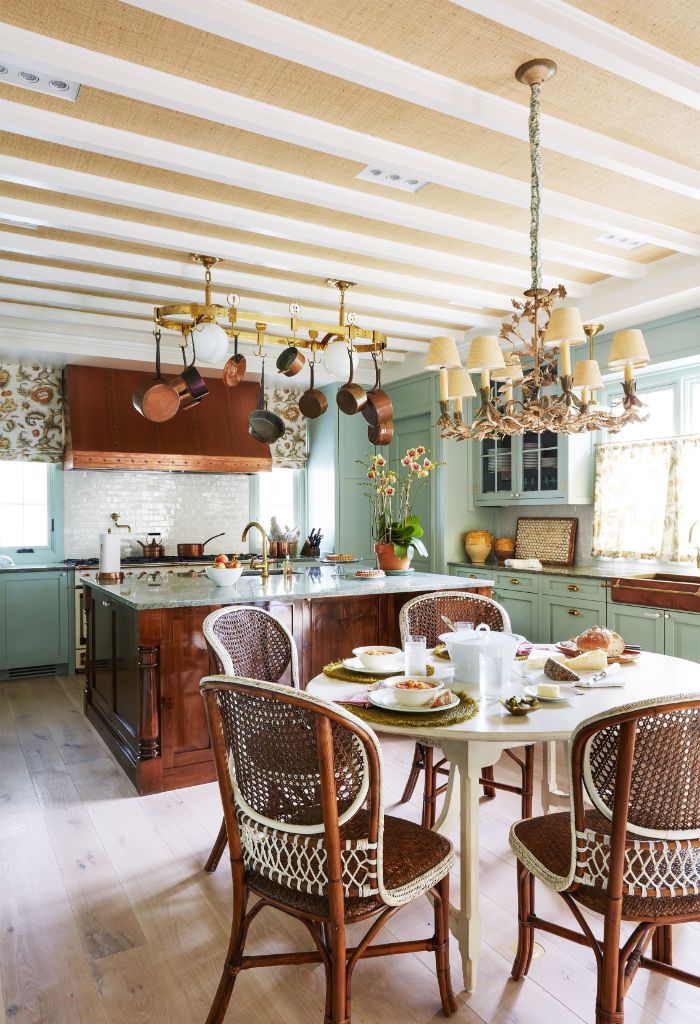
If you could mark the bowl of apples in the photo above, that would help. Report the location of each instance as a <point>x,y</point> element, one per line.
<point>225,572</point>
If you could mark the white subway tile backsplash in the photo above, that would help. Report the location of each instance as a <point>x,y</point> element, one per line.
<point>182,507</point>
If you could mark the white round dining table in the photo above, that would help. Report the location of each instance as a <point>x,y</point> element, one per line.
<point>473,745</point>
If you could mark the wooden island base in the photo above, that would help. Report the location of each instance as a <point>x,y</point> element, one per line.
<point>144,668</point>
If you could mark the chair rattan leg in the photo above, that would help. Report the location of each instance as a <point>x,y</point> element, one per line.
<point>442,947</point>
<point>487,773</point>
<point>429,798</point>
<point>609,1008</point>
<point>528,774</point>
<point>662,944</point>
<point>338,1002</point>
<point>217,849</point>
<point>232,966</point>
<point>413,776</point>
<point>526,932</point>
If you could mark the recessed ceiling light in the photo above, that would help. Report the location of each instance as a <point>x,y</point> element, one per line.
<point>628,242</point>
<point>392,179</point>
<point>38,80</point>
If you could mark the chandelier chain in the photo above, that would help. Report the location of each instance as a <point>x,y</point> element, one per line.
<point>535,183</point>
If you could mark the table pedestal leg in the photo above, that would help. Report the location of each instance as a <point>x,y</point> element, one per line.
<point>462,804</point>
<point>551,794</point>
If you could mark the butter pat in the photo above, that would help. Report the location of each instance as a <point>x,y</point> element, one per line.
<point>548,690</point>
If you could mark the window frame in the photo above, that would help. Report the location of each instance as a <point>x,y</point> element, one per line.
<point>658,380</point>
<point>53,551</point>
<point>300,506</point>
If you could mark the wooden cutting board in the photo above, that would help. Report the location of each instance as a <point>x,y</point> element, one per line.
<point>550,540</point>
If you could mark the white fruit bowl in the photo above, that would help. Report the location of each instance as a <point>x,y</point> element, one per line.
<point>224,577</point>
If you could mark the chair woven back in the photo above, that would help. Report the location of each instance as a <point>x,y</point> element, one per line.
<point>640,767</point>
<point>294,770</point>
<point>247,641</point>
<point>422,615</point>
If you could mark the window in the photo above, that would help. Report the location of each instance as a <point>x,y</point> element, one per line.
<point>280,493</point>
<point>663,406</point>
<point>29,494</point>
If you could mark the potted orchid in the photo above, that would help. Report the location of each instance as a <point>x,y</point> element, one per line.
<point>397,485</point>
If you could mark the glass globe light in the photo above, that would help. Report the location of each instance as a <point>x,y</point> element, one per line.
<point>210,342</point>
<point>336,360</point>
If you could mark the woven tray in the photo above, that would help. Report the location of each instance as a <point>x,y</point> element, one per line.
<point>550,540</point>
<point>336,670</point>
<point>463,711</point>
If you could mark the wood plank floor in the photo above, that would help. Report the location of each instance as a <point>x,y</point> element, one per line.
<point>106,916</point>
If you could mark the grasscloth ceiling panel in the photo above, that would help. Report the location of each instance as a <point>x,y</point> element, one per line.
<point>670,26</point>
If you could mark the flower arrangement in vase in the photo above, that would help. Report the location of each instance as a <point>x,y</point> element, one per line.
<point>396,538</point>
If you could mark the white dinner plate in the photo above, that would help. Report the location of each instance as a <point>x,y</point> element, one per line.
<point>394,667</point>
<point>382,698</point>
<point>531,691</point>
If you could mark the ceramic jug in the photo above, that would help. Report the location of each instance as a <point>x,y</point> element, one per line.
<point>477,544</point>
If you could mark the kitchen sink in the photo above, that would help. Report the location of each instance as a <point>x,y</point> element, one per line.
<point>658,590</point>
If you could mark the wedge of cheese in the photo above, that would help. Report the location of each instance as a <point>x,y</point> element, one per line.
<point>537,663</point>
<point>590,661</point>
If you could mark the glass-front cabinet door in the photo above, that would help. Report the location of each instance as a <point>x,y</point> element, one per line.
<point>496,468</point>
<point>540,463</point>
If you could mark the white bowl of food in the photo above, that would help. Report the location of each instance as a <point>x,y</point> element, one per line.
<point>223,575</point>
<point>413,691</point>
<point>377,657</point>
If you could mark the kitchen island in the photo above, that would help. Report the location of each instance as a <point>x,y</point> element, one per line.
<point>146,653</point>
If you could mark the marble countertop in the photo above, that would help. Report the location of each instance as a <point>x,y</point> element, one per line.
<point>598,570</point>
<point>178,592</point>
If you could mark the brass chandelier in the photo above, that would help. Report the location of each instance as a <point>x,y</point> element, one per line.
<point>533,350</point>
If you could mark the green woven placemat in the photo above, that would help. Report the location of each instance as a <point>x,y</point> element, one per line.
<point>337,670</point>
<point>462,712</point>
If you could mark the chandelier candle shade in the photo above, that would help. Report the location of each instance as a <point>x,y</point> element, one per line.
<point>443,356</point>
<point>459,387</point>
<point>534,348</point>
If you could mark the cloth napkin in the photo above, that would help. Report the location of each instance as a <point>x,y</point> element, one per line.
<point>523,563</point>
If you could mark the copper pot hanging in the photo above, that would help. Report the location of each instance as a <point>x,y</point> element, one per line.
<point>351,398</point>
<point>234,367</point>
<point>378,408</point>
<point>189,384</point>
<point>156,398</point>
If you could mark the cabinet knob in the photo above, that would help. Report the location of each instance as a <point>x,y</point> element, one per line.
<point>666,615</point>
<point>573,586</point>
<point>652,615</point>
<point>574,611</point>
<point>517,495</point>
<point>106,604</point>
<point>515,582</point>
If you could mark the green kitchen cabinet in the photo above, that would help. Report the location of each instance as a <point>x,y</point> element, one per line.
<point>523,611</point>
<point>472,573</point>
<point>534,469</point>
<point>643,626</point>
<point>35,623</point>
<point>682,634</point>
<point>562,618</point>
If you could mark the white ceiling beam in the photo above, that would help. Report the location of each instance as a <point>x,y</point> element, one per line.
<point>45,287</point>
<point>148,85</point>
<point>671,287</point>
<point>128,231</point>
<point>597,42</point>
<point>297,41</point>
<point>140,149</point>
<point>175,204</point>
<point>225,280</point>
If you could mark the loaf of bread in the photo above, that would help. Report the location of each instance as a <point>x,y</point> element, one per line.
<point>600,638</point>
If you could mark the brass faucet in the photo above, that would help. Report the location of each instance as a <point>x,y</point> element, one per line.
<point>264,574</point>
<point>697,546</point>
<point>117,524</point>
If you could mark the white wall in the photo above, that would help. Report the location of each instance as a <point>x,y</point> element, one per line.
<point>183,507</point>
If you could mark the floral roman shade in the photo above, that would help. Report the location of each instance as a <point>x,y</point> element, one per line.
<point>31,413</point>
<point>647,496</point>
<point>290,452</point>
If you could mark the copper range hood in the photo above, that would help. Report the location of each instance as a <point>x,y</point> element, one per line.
<point>104,431</point>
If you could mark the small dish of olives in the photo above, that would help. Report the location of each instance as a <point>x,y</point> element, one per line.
<point>520,705</point>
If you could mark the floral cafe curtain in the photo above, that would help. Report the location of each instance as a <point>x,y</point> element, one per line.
<point>290,452</point>
<point>31,413</point>
<point>647,496</point>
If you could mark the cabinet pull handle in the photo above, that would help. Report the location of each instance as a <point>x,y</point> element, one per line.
<point>106,604</point>
<point>652,615</point>
<point>573,586</point>
<point>574,611</point>
<point>473,576</point>
<point>515,582</point>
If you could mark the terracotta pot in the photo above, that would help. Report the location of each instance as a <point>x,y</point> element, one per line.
<point>477,544</point>
<point>504,548</point>
<point>387,559</point>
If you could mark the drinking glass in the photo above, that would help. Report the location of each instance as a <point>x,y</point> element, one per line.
<point>464,627</point>
<point>415,656</point>
<point>494,669</point>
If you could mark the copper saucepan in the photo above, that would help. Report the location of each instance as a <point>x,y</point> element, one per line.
<point>378,408</point>
<point>381,434</point>
<point>313,403</point>
<point>234,368</point>
<point>350,398</point>
<point>194,550</point>
<point>189,384</point>
<point>156,398</point>
<point>290,361</point>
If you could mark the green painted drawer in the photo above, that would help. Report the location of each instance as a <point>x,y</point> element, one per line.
<point>573,587</point>
<point>524,581</point>
<point>473,574</point>
<point>564,617</point>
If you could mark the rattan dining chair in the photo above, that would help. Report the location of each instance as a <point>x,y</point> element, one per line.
<point>247,641</point>
<point>423,616</point>
<point>301,786</point>
<point>633,856</point>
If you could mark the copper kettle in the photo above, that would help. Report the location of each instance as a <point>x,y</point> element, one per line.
<point>153,548</point>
